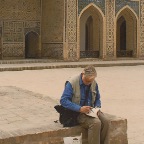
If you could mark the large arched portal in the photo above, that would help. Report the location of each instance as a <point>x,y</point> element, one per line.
<point>91,33</point>
<point>126,41</point>
<point>31,45</point>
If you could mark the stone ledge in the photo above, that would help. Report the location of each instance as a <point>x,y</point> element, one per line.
<point>117,134</point>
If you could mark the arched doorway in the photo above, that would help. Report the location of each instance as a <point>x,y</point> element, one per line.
<point>91,33</point>
<point>126,41</point>
<point>31,45</point>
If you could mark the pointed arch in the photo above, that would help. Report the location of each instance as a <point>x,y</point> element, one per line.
<point>126,32</point>
<point>31,45</point>
<point>91,35</point>
<point>130,11</point>
<point>91,5</point>
<point>31,31</point>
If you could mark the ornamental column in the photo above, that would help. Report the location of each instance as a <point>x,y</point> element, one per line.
<point>141,49</point>
<point>70,36</point>
<point>110,51</point>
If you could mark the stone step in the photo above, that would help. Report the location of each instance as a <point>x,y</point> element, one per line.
<point>24,61</point>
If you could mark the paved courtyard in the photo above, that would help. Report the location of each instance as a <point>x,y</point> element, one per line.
<point>24,112</point>
<point>121,89</point>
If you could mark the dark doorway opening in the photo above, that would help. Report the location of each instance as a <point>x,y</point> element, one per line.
<point>89,34</point>
<point>123,36</point>
<point>31,45</point>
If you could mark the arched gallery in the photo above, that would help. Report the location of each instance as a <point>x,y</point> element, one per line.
<point>71,29</point>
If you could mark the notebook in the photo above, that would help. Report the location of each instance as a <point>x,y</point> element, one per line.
<point>93,112</point>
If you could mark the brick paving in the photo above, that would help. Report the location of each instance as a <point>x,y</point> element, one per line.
<point>24,112</point>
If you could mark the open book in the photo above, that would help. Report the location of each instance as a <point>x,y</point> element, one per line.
<point>93,112</point>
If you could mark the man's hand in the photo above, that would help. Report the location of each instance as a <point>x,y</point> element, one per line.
<point>85,109</point>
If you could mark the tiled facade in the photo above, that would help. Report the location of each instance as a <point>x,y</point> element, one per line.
<point>71,29</point>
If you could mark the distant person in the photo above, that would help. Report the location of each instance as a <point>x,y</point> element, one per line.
<point>81,94</point>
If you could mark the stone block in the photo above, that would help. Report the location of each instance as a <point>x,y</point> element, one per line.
<point>117,134</point>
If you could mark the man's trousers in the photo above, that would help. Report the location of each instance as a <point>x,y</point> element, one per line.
<point>97,128</point>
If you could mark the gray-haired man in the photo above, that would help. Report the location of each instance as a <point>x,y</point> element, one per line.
<point>81,93</point>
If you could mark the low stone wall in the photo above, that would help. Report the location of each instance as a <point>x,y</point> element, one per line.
<point>117,134</point>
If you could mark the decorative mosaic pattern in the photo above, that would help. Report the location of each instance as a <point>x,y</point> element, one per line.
<point>89,54</point>
<point>17,18</point>
<point>20,9</point>
<point>13,50</point>
<point>121,3</point>
<point>124,53</point>
<point>13,31</point>
<point>142,29</point>
<point>83,3</point>
<point>71,29</point>
<point>110,28</point>
<point>53,50</point>
<point>27,30</point>
<point>71,20</point>
<point>32,26</point>
<point>72,51</point>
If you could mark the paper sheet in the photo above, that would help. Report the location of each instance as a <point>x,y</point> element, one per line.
<point>93,112</point>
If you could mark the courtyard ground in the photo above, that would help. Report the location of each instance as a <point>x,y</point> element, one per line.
<point>121,88</point>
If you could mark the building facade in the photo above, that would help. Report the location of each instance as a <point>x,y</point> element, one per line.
<point>71,29</point>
